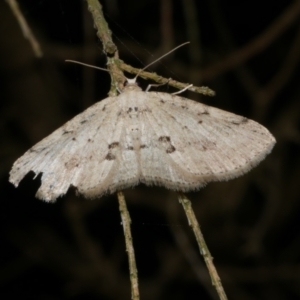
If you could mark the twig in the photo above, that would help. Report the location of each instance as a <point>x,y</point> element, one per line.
<point>118,80</point>
<point>115,65</point>
<point>129,247</point>
<point>25,28</point>
<point>162,80</point>
<point>216,281</point>
<point>110,49</point>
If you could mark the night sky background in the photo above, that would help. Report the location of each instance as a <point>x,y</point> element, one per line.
<point>249,53</point>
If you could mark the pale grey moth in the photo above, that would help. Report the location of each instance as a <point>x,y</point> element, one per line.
<point>137,137</point>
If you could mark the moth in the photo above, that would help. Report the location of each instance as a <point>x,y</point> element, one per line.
<point>136,137</point>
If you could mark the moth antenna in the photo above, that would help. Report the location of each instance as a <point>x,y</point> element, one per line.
<point>181,45</point>
<point>130,81</point>
<point>87,65</point>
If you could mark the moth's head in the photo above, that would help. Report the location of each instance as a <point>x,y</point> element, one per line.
<point>131,85</point>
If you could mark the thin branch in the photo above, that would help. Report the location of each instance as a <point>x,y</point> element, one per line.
<point>110,49</point>
<point>103,31</point>
<point>129,247</point>
<point>118,80</point>
<point>25,28</point>
<point>257,45</point>
<point>216,281</point>
<point>115,65</point>
<point>162,80</point>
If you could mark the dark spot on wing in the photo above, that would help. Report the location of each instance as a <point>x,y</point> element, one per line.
<point>146,109</point>
<point>129,148</point>
<point>129,110</point>
<point>205,112</point>
<point>113,145</point>
<point>200,122</point>
<point>166,142</point>
<point>83,121</point>
<point>110,156</point>
<point>170,149</point>
<point>164,139</point>
<point>104,107</point>
<point>143,146</point>
<point>67,131</point>
<point>162,101</point>
<point>37,150</point>
<point>73,139</point>
<point>136,109</point>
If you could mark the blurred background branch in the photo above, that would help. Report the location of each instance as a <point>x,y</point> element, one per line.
<point>25,28</point>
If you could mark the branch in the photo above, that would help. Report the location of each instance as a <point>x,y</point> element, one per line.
<point>129,247</point>
<point>115,65</point>
<point>118,80</point>
<point>162,80</point>
<point>216,281</point>
<point>25,28</point>
<point>109,47</point>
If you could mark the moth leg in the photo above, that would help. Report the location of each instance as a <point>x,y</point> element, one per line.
<point>182,90</point>
<point>156,85</point>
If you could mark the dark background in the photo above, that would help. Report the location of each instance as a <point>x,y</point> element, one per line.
<point>248,52</point>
